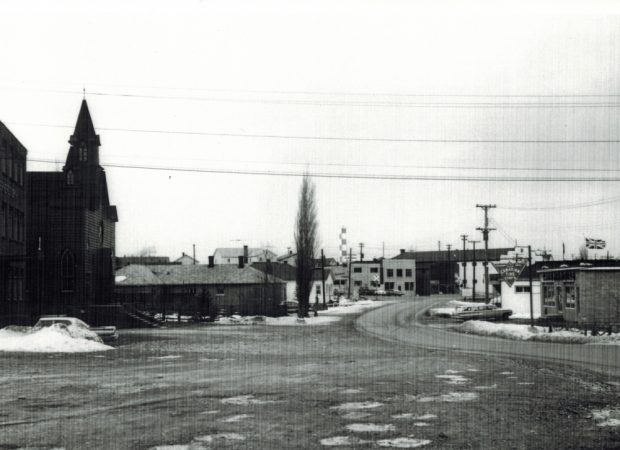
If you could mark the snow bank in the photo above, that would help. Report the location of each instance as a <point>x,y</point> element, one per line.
<point>53,339</point>
<point>607,417</point>
<point>357,405</point>
<point>527,333</point>
<point>403,442</point>
<point>346,306</point>
<point>292,320</point>
<point>370,427</point>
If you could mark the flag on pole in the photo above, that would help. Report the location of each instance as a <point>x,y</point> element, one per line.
<point>596,244</point>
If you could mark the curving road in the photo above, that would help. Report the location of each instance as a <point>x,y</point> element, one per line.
<point>398,323</point>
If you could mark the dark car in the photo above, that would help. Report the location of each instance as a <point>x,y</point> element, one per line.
<point>394,292</point>
<point>367,291</point>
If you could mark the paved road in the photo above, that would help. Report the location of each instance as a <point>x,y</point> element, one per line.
<point>397,323</point>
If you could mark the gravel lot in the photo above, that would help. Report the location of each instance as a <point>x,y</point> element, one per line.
<point>268,387</point>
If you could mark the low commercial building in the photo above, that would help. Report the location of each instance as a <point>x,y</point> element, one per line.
<point>399,274</point>
<point>584,294</point>
<point>366,275</point>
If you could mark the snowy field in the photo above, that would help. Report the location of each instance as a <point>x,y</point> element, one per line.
<point>53,339</point>
<point>527,333</point>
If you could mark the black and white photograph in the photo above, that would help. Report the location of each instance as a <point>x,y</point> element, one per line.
<point>295,224</point>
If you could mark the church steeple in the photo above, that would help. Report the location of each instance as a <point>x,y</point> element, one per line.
<point>84,141</point>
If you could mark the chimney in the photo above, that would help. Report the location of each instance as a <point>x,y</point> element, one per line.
<point>402,251</point>
<point>211,261</point>
<point>241,262</point>
<point>245,254</point>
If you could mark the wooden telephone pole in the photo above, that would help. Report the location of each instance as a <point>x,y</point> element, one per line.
<point>485,236</point>
<point>473,282</point>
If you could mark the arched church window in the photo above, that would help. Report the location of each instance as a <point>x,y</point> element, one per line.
<point>83,151</point>
<point>67,271</point>
<point>70,179</point>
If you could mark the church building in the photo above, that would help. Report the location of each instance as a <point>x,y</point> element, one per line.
<point>71,231</point>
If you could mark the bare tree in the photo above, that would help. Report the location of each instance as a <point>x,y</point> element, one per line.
<point>306,243</point>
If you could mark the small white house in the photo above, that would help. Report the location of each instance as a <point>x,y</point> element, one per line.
<point>517,298</point>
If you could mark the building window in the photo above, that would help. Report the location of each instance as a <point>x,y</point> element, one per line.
<point>67,271</point>
<point>374,270</point>
<point>389,273</point>
<point>357,283</point>
<point>318,289</point>
<point>558,297</point>
<point>389,285</point>
<point>548,295</point>
<point>409,286</point>
<point>70,179</point>
<point>357,270</point>
<point>399,272</point>
<point>83,153</point>
<point>570,297</point>
<point>522,289</point>
<point>219,290</point>
<point>408,272</point>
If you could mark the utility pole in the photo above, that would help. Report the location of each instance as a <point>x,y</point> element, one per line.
<point>439,245</point>
<point>350,262</point>
<point>473,283</point>
<point>323,277</point>
<point>464,239</point>
<point>361,251</point>
<point>485,236</point>
<point>529,269</point>
<point>450,276</point>
<point>194,254</point>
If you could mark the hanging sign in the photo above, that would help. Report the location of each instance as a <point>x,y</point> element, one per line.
<point>509,271</point>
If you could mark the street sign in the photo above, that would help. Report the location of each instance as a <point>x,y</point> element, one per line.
<point>509,271</point>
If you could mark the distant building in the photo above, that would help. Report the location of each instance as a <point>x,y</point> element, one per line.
<point>288,274</point>
<point>71,232</point>
<point>225,255</point>
<point>365,274</point>
<point>291,259</point>
<point>13,299</point>
<point>185,260</point>
<point>203,289</point>
<point>399,274</point>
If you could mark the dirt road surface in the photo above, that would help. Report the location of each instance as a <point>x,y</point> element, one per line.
<point>301,387</point>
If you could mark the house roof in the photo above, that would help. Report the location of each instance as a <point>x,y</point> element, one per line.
<point>136,275</point>
<point>186,256</point>
<point>203,274</point>
<point>283,271</point>
<point>454,255</point>
<point>174,274</point>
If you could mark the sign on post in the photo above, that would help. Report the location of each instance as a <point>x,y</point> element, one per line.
<point>509,271</point>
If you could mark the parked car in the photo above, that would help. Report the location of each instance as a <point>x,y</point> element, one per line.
<point>292,306</point>
<point>107,334</point>
<point>483,312</point>
<point>394,292</point>
<point>380,292</point>
<point>367,291</point>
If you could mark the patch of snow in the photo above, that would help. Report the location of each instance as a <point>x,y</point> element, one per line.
<point>342,441</point>
<point>357,405</point>
<point>606,417</point>
<point>213,411</point>
<point>450,397</point>
<point>527,333</point>
<point>370,427</point>
<point>292,320</point>
<point>473,370</point>
<point>119,278</point>
<point>355,415</point>
<point>57,338</point>
<point>209,438</point>
<point>403,442</point>
<point>506,373</point>
<point>525,383</point>
<point>240,320</point>
<point>453,379</point>
<point>167,357</point>
<point>450,371</point>
<point>245,400</point>
<point>484,388</point>
<point>351,391</point>
<point>402,416</point>
<point>421,424</point>
<point>237,418</point>
<point>349,307</point>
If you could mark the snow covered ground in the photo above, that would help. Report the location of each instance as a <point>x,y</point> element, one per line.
<point>527,333</point>
<point>330,315</point>
<point>53,339</point>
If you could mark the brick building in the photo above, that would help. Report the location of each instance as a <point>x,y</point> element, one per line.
<point>71,231</point>
<point>13,305</point>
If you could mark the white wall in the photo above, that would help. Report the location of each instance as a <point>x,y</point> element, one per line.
<point>520,302</point>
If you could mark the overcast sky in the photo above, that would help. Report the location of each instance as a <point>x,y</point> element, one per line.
<point>353,88</point>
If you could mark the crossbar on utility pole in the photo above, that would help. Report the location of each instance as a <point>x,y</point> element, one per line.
<point>473,263</point>
<point>485,236</point>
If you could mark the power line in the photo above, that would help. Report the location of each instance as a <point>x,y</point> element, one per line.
<point>352,175</point>
<point>589,204</point>
<point>334,138</point>
<point>355,103</point>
